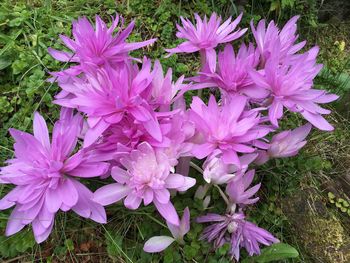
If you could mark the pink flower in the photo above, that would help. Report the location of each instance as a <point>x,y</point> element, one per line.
<point>147,177</point>
<point>163,89</point>
<point>45,176</point>
<point>121,138</point>
<point>290,84</point>
<point>108,96</point>
<point>216,171</point>
<point>238,189</point>
<point>267,38</point>
<point>235,230</point>
<point>205,36</point>
<point>228,128</point>
<point>285,144</point>
<point>232,76</point>
<point>159,243</point>
<point>97,47</point>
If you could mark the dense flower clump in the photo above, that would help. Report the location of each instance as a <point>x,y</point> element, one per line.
<point>127,119</point>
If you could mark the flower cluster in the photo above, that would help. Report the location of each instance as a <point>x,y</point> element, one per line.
<point>140,139</point>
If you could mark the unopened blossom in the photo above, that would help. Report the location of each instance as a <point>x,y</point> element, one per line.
<point>236,231</point>
<point>105,97</point>
<point>45,176</point>
<point>232,75</point>
<point>96,47</point>
<point>147,177</point>
<point>159,243</point>
<point>290,84</point>
<point>216,171</point>
<point>225,127</point>
<point>239,190</point>
<point>285,144</point>
<point>267,39</point>
<point>205,36</point>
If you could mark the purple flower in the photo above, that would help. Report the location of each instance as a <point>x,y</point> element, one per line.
<point>236,231</point>
<point>121,138</point>
<point>238,189</point>
<point>159,243</point>
<point>163,89</point>
<point>205,36</point>
<point>228,128</point>
<point>232,75</point>
<point>216,171</point>
<point>147,177</point>
<point>267,38</point>
<point>45,176</point>
<point>285,144</point>
<point>107,97</point>
<point>290,84</point>
<point>97,47</point>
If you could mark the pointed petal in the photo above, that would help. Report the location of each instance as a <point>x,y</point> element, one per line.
<point>41,132</point>
<point>168,212</point>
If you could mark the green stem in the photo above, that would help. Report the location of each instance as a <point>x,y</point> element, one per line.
<point>196,167</point>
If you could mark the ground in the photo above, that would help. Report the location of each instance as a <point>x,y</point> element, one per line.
<point>304,200</point>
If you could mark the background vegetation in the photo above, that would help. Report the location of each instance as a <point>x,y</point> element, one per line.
<point>304,200</point>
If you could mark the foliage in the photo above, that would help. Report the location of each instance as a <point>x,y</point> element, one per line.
<point>17,244</point>
<point>28,28</point>
<point>340,203</point>
<point>275,252</point>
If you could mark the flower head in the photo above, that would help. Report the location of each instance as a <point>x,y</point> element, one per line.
<point>285,144</point>
<point>216,171</point>
<point>238,189</point>
<point>227,127</point>
<point>267,38</point>
<point>44,174</point>
<point>232,75</point>
<point>123,137</point>
<point>95,47</point>
<point>108,96</point>
<point>206,35</point>
<point>235,230</point>
<point>290,84</point>
<point>147,178</point>
<point>163,90</point>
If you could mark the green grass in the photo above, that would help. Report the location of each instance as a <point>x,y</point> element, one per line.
<point>28,28</point>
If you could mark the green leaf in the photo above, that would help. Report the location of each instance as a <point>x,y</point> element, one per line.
<point>69,244</point>
<point>190,252</point>
<point>168,256</point>
<point>5,62</point>
<point>275,6</point>
<point>344,78</point>
<point>331,195</point>
<point>275,252</point>
<point>114,243</point>
<point>287,3</point>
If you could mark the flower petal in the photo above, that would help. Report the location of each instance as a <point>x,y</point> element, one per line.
<point>132,201</point>
<point>40,130</point>
<point>110,194</point>
<point>167,211</point>
<point>157,244</point>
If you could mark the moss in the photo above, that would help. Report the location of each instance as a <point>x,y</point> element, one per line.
<point>319,232</point>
